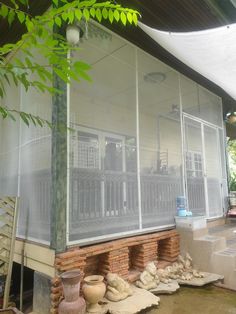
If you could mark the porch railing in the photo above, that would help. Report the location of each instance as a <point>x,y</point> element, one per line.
<point>103,202</point>
<point>196,195</point>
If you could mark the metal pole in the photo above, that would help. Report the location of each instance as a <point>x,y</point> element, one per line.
<point>137,136</point>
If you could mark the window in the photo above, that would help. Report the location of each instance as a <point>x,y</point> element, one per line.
<point>93,149</point>
<point>85,150</point>
<point>194,164</point>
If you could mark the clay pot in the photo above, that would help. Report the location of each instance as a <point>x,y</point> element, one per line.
<point>94,290</point>
<point>73,303</point>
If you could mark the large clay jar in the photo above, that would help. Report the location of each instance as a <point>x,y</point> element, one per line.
<point>94,290</point>
<point>73,303</point>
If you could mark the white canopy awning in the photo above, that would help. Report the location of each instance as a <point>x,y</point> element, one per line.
<point>212,52</point>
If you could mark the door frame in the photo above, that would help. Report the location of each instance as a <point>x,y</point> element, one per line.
<point>202,123</point>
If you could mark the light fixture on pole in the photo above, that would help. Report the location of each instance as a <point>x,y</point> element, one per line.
<point>73,34</point>
<point>231,117</point>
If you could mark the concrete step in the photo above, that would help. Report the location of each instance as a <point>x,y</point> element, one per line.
<point>203,249</point>
<point>224,263</point>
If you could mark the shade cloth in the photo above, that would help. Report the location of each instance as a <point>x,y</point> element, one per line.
<point>211,52</point>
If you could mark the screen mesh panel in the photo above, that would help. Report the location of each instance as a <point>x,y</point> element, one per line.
<point>25,162</point>
<point>160,141</point>
<point>194,167</point>
<point>35,169</point>
<point>9,145</point>
<point>199,102</point>
<point>103,161</point>
<point>213,171</point>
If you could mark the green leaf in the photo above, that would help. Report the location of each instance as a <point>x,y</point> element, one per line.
<point>32,119</point>
<point>78,14</point>
<point>10,115</point>
<point>129,17</point>
<point>3,112</point>
<point>58,21</point>
<point>135,19</point>
<point>84,75</point>
<point>28,62</point>
<point>39,121</point>
<point>24,2</point>
<point>98,14</point>
<point>7,79</point>
<point>15,4</point>
<point>86,3</point>
<point>92,12</point>
<point>55,2</point>
<point>14,79</point>
<point>86,14</point>
<point>105,13</point>
<point>81,66</point>
<point>123,18</point>
<point>64,16</point>
<point>11,16</point>
<point>21,16</point>
<point>111,16</point>
<point>24,117</point>
<point>116,15</point>
<point>61,74</point>
<point>29,24</point>
<point>3,10</point>
<point>71,16</point>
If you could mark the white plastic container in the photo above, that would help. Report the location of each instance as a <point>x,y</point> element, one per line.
<point>191,223</point>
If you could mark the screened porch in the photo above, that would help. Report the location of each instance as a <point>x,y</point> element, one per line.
<point>141,135</point>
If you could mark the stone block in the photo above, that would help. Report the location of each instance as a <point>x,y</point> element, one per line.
<point>224,263</point>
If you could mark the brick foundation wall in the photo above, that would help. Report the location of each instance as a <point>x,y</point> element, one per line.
<point>169,248</point>
<point>142,254</point>
<point>116,261</point>
<point>126,257</point>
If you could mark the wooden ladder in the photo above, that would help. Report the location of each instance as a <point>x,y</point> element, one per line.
<point>8,219</point>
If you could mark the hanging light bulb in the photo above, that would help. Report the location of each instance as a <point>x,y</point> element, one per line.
<point>73,34</point>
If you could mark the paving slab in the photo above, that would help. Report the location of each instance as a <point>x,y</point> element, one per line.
<point>166,288</point>
<point>140,300</point>
<point>199,282</point>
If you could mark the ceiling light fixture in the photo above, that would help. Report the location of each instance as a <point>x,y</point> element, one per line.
<point>154,77</point>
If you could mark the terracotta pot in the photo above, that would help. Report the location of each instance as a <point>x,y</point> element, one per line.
<point>94,290</point>
<point>73,303</point>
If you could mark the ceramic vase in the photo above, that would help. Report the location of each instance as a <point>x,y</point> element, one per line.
<point>93,290</point>
<point>73,303</point>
